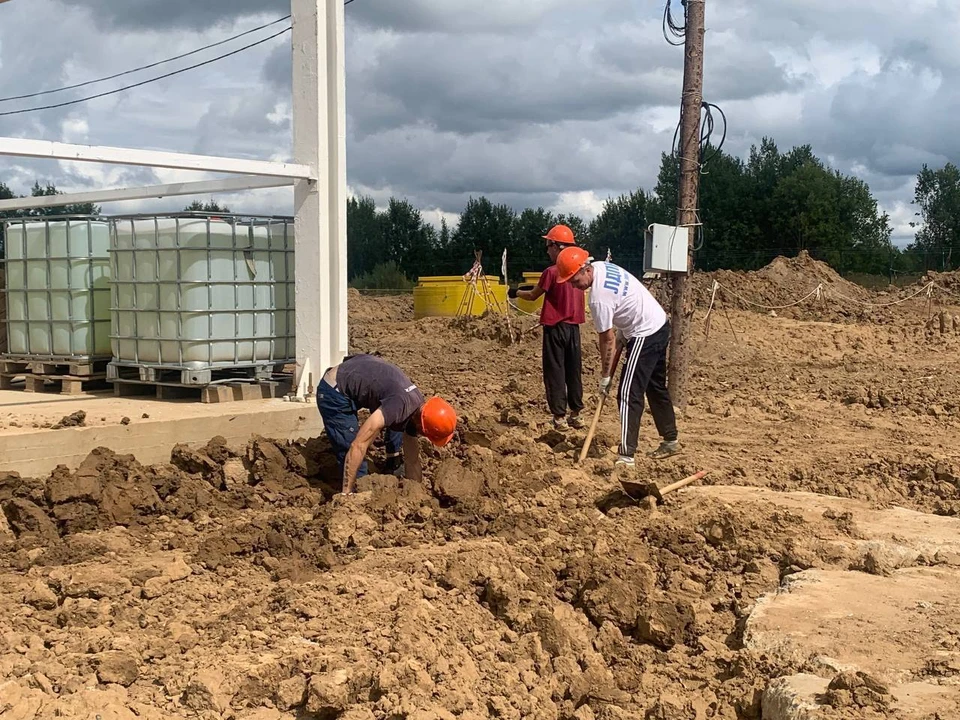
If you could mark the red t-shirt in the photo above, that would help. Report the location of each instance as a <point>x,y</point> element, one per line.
<point>562,303</point>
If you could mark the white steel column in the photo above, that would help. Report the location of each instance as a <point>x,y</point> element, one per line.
<point>319,141</point>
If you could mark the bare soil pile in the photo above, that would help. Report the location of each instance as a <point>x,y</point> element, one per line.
<point>235,583</point>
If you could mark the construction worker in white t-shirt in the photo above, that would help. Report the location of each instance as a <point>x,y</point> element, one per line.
<point>624,309</point>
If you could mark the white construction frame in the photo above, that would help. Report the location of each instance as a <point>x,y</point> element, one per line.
<point>318,174</point>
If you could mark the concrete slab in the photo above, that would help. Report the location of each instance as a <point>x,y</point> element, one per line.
<point>35,451</point>
<point>900,535</point>
<point>901,629</point>
<point>800,697</point>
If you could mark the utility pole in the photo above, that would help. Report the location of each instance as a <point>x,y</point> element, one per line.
<point>681,306</point>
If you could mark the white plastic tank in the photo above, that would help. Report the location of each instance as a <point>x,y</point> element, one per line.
<point>196,292</point>
<point>58,288</point>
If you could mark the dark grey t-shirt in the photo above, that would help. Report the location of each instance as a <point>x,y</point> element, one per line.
<point>373,383</point>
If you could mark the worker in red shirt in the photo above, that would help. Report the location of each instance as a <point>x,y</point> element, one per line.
<point>561,317</point>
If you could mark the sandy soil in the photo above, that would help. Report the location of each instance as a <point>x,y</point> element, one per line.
<point>233,583</point>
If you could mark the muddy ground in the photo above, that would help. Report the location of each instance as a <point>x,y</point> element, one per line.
<point>235,583</point>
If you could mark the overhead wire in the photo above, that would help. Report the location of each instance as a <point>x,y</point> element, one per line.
<point>147,81</point>
<point>145,67</point>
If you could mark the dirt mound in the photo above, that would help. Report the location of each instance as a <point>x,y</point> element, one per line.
<point>236,582</point>
<point>782,283</point>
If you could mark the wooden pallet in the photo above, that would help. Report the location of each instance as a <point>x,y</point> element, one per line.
<point>187,377</point>
<point>63,384</point>
<point>54,367</point>
<point>218,393</point>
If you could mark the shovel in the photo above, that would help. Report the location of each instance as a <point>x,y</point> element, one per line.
<point>638,491</point>
<point>596,415</point>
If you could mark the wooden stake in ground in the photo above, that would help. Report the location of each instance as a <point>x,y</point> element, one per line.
<point>681,308</point>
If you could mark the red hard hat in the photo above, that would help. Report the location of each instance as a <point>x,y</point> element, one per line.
<point>438,421</point>
<point>560,234</point>
<point>570,261</point>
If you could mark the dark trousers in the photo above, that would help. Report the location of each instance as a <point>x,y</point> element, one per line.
<point>645,373</point>
<point>341,423</point>
<point>561,368</point>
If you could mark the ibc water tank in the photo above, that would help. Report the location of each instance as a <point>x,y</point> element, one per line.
<point>58,288</point>
<point>196,293</point>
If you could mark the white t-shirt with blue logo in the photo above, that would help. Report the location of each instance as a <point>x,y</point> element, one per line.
<point>618,300</point>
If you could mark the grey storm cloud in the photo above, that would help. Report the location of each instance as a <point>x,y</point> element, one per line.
<point>526,102</point>
<point>187,14</point>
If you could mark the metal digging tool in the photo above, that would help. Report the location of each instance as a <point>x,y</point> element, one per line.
<point>596,415</point>
<point>638,491</point>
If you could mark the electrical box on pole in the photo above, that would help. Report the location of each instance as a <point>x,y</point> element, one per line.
<point>665,248</point>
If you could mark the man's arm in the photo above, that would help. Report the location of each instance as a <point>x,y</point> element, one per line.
<point>358,450</point>
<point>530,295</point>
<point>412,469</point>
<point>608,348</point>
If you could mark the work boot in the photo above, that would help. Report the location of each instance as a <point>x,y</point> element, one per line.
<point>575,422</point>
<point>626,461</point>
<point>667,449</point>
<point>560,423</point>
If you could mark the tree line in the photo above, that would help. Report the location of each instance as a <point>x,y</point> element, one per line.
<point>751,211</point>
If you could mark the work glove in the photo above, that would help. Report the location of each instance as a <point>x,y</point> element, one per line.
<point>512,292</point>
<point>621,340</point>
<point>605,385</point>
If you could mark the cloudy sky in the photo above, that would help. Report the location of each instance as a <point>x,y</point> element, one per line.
<point>559,103</point>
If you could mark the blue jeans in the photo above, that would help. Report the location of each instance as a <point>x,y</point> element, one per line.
<point>340,420</point>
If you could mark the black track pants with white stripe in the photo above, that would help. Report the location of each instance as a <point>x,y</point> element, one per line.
<point>645,373</point>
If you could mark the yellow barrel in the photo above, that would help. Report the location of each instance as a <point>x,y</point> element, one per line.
<point>530,280</point>
<point>443,296</point>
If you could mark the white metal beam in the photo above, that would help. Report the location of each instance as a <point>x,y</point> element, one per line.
<point>202,187</point>
<point>21,147</point>
<point>319,140</point>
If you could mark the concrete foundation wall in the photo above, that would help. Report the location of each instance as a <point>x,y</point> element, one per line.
<point>37,453</point>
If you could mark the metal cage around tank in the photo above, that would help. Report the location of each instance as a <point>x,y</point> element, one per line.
<point>201,293</point>
<point>56,288</point>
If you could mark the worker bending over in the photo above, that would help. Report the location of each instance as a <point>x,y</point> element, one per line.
<point>396,406</point>
<point>561,317</point>
<point>620,302</point>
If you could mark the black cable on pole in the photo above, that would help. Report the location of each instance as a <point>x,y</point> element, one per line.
<point>672,32</point>
<point>148,81</point>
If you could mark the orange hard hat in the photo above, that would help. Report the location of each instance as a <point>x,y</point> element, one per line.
<point>438,421</point>
<point>570,261</point>
<point>560,234</point>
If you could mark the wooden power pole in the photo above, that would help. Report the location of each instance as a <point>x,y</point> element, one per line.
<point>681,305</point>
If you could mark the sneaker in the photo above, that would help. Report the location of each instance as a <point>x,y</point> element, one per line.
<point>575,422</point>
<point>560,423</point>
<point>667,449</point>
<point>626,461</point>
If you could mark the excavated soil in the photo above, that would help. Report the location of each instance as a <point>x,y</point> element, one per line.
<point>236,583</point>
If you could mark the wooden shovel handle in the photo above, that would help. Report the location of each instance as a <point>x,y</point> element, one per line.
<point>596,415</point>
<point>593,430</point>
<point>681,483</point>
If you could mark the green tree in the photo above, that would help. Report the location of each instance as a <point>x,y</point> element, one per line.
<point>620,227</point>
<point>527,252</point>
<point>937,195</point>
<point>412,243</point>
<point>208,207</point>
<point>485,227</point>
<point>39,190</point>
<point>366,247</point>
